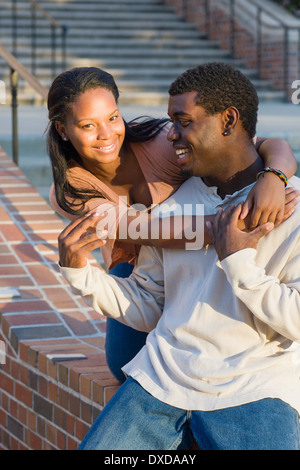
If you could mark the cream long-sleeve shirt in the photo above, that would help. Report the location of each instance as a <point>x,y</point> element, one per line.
<point>221,333</point>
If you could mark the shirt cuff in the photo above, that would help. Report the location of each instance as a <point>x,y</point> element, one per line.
<point>74,276</point>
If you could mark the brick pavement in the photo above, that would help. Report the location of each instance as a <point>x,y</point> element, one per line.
<point>43,405</point>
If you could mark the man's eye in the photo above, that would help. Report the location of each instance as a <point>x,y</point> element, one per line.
<point>184,123</point>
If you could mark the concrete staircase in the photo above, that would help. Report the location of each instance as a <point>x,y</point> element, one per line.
<point>143,43</point>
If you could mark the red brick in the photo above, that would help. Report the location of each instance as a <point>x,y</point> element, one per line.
<point>72,444</point>
<point>6,260</point>
<point>60,298</point>
<point>24,306</point>
<point>78,323</point>
<point>2,418</point>
<point>48,236</point>
<point>52,392</point>
<point>27,253</point>
<point>17,281</point>
<point>51,433</point>
<point>36,227</point>
<point>12,233</point>
<point>22,414</point>
<point>43,363</point>
<point>7,384</point>
<point>33,441</point>
<point>62,418</point>
<point>11,271</point>
<point>81,429</point>
<point>4,216</point>
<point>109,391</point>
<point>42,275</point>
<point>43,386</point>
<point>63,398</point>
<point>23,394</point>
<point>61,440</point>
<point>33,319</point>
<point>31,420</point>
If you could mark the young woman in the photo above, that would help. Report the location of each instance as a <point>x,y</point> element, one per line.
<point>97,158</point>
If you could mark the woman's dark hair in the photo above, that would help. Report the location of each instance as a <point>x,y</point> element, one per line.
<point>62,94</point>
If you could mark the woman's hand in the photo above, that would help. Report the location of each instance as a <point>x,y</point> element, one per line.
<point>227,238</point>
<point>269,201</point>
<point>75,243</point>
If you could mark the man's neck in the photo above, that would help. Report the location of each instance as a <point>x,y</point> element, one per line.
<point>238,176</point>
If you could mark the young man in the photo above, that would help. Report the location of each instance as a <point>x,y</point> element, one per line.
<point>221,362</point>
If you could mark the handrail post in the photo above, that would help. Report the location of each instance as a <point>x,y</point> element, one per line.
<point>232,27</point>
<point>53,50</point>
<point>33,38</point>
<point>184,9</point>
<point>14,28</point>
<point>259,41</point>
<point>14,78</point>
<point>64,46</point>
<point>207,18</point>
<point>286,62</point>
<point>299,53</point>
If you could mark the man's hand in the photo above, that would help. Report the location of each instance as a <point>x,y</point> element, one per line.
<point>75,243</point>
<point>227,238</point>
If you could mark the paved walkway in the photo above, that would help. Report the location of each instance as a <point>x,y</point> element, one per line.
<point>274,118</point>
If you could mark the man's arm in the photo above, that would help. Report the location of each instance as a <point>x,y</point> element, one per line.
<point>137,301</point>
<point>274,302</point>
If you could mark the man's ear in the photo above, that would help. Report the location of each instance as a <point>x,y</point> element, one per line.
<point>230,119</point>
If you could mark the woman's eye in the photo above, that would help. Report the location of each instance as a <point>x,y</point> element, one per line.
<point>113,118</point>
<point>87,126</point>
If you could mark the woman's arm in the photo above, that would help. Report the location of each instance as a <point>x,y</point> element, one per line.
<point>277,153</point>
<point>175,232</point>
<point>266,201</point>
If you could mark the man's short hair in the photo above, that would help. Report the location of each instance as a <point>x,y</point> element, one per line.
<point>220,86</point>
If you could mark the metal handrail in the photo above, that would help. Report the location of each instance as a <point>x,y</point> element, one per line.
<point>18,69</point>
<point>260,24</point>
<point>54,25</point>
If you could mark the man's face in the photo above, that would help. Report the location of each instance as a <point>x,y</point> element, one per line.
<point>196,136</point>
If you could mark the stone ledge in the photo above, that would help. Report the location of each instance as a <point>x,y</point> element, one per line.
<point>43,405</point>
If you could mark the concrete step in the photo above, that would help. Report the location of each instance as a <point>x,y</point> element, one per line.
<point>142,42</point>
<point>123,14</point>
<point>129,51</point>
<point>130,62</point>
<point>113,23</point>
<point>142,98</point>
<point>121,32</point>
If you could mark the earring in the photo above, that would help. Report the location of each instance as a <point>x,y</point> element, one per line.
<point>225,133</point>
<point>65,138</point>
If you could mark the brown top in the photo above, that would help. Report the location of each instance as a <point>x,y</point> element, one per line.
<point>157,160</point>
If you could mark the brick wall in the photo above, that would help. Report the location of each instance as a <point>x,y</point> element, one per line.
<point>43,405</point>
<point>273,53</point>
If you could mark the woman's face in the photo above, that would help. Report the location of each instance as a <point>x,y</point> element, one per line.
<point>94,126</point>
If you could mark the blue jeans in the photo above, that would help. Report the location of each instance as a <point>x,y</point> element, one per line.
<point>122,342</point>
<point>135,420</point>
